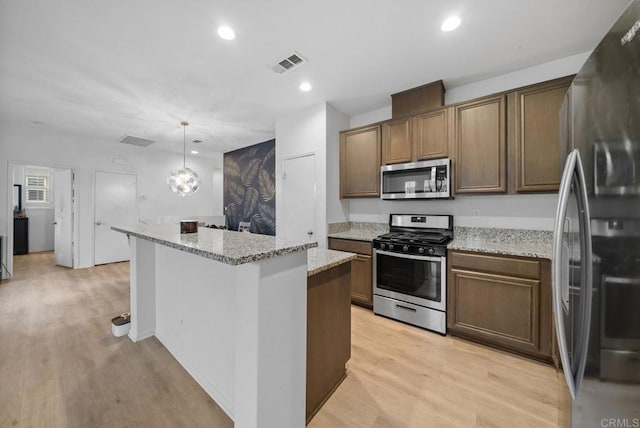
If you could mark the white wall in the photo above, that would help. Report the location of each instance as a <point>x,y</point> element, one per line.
<point>337,209</point>
<point>500,211</point>
<point>297,134</point>
<point>527,76</point>
<point>373,116</point>
<point>41,145</point>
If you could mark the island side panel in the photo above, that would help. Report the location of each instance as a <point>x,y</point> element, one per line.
<point>271,344</point>
<point>195,312</point>
<point>142,279</point>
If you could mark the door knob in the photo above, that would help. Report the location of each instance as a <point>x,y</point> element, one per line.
<point>310,232</point>
<point>54,223</point>
<point>98,223</point>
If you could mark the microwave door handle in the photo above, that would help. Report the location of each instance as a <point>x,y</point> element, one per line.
<point>586,253</point>
<point>557,266</point>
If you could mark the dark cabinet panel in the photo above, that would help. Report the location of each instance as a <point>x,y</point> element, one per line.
<point>20,235</point>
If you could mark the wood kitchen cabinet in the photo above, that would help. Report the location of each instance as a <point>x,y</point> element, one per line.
<point>361,269</point>
<point>480,145</point>
<point>502,301</point>
<point>360,162</point>
<point>396,141</point>
<point>534,134</point>
<point>328,334</point>
<point>430,133</point>
<point>420,137</point>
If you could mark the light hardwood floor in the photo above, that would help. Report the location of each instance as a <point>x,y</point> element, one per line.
<point>61,367</point>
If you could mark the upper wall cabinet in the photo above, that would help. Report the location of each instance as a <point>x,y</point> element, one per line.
<point>534,132</point>
<point>420,137</point>
<point>360,162</point>
<point>396,141</point>
<point>431,134</point>
<point>480,145</point>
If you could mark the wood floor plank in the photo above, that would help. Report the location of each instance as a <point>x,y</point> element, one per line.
<point>61,367</point>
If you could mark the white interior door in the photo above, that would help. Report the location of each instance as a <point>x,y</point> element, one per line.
<point>63,217</point>
<point>299,198</point>
<point>115,199</point>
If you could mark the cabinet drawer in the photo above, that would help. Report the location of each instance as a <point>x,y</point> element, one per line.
<point>496,264</point>
<point>360,247</point>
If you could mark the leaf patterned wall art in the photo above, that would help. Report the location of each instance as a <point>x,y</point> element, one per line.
<point>250,187</point>
<point>250,172</point>
<point>266,185</point>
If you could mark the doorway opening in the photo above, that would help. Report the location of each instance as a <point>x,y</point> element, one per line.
<point>41,214</point>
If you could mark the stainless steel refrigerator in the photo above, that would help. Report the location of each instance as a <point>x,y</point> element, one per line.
<point>596,259</point>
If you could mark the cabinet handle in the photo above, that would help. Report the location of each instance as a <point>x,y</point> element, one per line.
<point>406,308</point>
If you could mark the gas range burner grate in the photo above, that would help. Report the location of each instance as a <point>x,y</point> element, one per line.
<point>410,237</point>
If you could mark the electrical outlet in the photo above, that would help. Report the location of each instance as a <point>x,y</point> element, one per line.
<point>476,212</point>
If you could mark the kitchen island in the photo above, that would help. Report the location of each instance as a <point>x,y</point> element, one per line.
<point>231,308</point>
<point>328,324</point>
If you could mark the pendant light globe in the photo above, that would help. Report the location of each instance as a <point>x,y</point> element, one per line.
<point>184,181</point>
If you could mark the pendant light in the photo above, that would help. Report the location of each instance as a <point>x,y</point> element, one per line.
<point>184,181</point>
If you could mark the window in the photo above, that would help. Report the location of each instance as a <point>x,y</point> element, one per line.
<point>37,189</point>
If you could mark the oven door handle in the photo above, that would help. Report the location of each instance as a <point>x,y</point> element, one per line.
<point>437,259</point>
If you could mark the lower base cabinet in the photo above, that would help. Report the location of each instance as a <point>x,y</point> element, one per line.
<point>361,269</point>
<point>328,334</point>
<point>502,301</point>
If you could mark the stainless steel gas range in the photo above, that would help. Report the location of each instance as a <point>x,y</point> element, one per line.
<point>410,270</point>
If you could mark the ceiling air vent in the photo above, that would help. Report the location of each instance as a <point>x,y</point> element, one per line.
<point>136,141</point>
<point>293,60</point>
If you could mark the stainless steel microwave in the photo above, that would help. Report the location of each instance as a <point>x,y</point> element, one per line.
<point>416,180</point>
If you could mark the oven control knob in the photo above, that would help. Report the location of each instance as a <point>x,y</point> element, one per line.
<point>405,248</point>
<point>391,246</point>
<point>431,250</point>
<point>421,250</point>
<point>383,245</point>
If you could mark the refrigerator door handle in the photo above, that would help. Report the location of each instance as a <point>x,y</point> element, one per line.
<point>556,280</point>
<point>586,256</point>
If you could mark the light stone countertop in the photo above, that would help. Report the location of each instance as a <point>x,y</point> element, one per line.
<point>513,242</point>
<point>320,259</point>
<point>233,248</point>
<point>357,231</point>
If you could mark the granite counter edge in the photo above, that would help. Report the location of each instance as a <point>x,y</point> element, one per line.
<point>505,252</point>
<point>332,264</point>
<point>234,261</point>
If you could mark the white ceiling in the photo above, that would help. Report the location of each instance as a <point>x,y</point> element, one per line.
<point>105,69</point>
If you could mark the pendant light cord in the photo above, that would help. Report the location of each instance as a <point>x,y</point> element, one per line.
<point>184,124</point>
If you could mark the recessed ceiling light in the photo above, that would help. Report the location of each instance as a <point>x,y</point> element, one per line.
<point>194,152</point>
<point>305,86</point>
<point>226,33</point>
<point>451,23</point>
